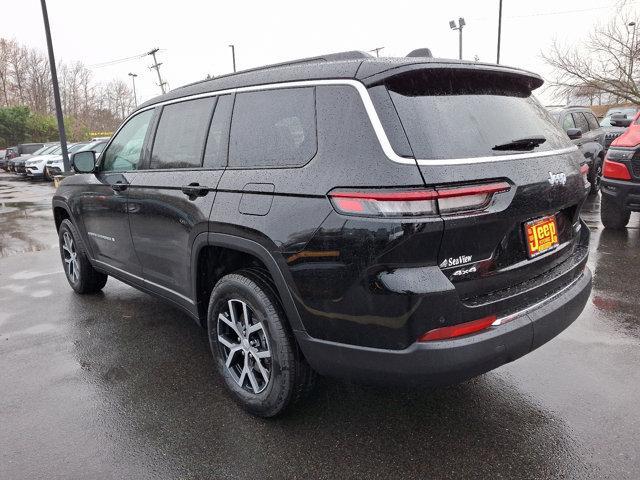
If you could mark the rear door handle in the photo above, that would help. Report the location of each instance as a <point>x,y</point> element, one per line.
<point>119,186</point>
<point>194,190</point>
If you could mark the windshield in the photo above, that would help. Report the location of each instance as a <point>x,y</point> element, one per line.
<point>628,112</point>
<point>75,147</point>
<point>41,150</point>
<point>457,114</point>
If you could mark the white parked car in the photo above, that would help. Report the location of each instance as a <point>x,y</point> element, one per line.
<point>39,159</point>
<point>36,167</point>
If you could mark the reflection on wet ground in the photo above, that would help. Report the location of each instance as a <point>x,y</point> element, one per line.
<point>25,215</point>
<point>615,260</point>
<point>121,385</point>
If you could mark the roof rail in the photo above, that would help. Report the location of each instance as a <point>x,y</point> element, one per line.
<point>331,57</point>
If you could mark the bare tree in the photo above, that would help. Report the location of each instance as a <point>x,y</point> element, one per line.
<point>603,63</point>
<point>25,80</point>
<point>5,52</point>
<point>17,63</point>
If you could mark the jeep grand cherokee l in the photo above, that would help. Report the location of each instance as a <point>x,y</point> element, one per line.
<point>398,221</point>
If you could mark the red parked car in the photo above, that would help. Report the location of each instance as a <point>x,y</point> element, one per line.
<point>621,178</point>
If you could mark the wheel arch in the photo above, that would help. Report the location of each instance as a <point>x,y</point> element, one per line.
<point>242,253</point>
<point>61,212</point>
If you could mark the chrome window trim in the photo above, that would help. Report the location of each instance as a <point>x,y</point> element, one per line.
<point>373,118</point>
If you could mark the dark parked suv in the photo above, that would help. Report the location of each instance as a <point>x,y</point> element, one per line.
<point>332,215</point>
<point>582,127</point>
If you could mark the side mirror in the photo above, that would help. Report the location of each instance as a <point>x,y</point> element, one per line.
<point>84,162</point>
<point>574,133</point>
<point>620,120</point>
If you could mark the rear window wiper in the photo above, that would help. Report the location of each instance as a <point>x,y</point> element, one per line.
<point>528,143</point>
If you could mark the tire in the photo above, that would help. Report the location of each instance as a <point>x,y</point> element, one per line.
<point>612,215</point>
<point>266,385</point>
<point>596,176</point>
<point>82,277</point>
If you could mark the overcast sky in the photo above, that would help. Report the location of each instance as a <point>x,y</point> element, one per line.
<point>194,35</point>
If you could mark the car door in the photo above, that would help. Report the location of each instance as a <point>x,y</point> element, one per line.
<point>102,205</point>
<point>170,199</point>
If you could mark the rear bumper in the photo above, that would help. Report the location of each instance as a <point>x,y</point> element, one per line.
<point>452,361</point>
<point>625,193</point>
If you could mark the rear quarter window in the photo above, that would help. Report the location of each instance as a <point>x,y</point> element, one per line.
<point>273,128</point>
<point>593,122</point>
<point>450,114</point>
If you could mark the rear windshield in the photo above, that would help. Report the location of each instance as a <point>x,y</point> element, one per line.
<point>461,114</point>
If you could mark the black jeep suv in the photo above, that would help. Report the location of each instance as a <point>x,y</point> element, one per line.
<point>408,220</point>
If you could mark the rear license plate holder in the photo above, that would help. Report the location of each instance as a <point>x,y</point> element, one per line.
<point>541,235</point>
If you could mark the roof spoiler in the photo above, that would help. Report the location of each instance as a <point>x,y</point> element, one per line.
<point>420,52</point>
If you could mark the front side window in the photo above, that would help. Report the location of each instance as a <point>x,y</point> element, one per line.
<point>125,151</point>
<point>273,128</point>
<point>181,133</point>
<point>568,122</point>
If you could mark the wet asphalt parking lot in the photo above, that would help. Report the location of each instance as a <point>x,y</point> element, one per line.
<point>122,385</point>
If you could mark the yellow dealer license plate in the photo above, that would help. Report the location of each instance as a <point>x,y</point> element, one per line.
<point>542,235</point>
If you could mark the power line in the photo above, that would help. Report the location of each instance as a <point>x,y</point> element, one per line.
<point>562,12</point>
<point>559,12</point>
<point>120,60</point>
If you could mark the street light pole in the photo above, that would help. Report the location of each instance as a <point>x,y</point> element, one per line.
<point>135,97</point>
<point>233,57</point>
<point>633,48</point>
<point>56,89</point>
<point>499,30</point>
<point>459,27</point>
<point>377,50</point>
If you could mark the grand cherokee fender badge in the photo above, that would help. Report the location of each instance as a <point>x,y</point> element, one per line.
<point>455,261</point>
<point>557,178</point>
<point>102,237</point>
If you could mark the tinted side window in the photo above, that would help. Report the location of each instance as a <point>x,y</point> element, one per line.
<point>581,122</point>
<point>215,155</point>
<point>567,122</point>
<point>593,123</point>
<point>125,150</point>
<point>181,132</point>
<point>273,128</point>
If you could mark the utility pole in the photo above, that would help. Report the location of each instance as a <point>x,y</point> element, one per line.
<point>377,50</point>
<point>499,30</point>
<point>56,89</point>
<point>135,97</point>
<point>461,24</point>
<point>156,67</point>
<point>233,57</point>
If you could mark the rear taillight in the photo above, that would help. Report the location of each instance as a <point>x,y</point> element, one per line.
<point>468,198</point>
<point>445,200</point>
<point>444,333</point>
<point>386,204</point>
<point>615,170</point>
